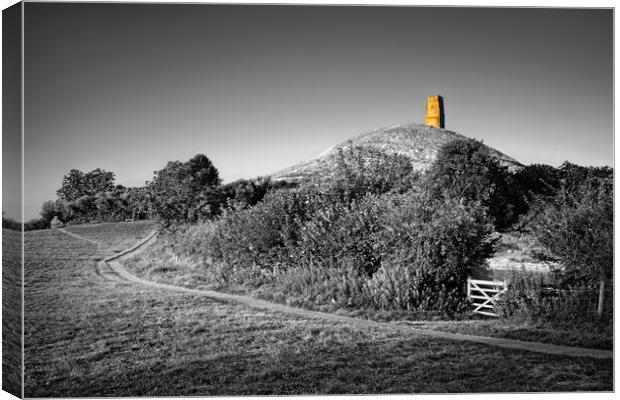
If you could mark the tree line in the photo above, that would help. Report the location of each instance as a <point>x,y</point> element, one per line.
<point>188,191</point>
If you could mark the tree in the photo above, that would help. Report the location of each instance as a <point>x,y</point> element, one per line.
<point>573,175</point>
<point>183,192</point>
<point>48,211</point>
<point>10,223</point>
<point>577,226</point>
<point>77,184</point>
<point>538,180</point>
<point>36,224</point>
<point>138,202</point>
<point>466,169</point>
<point>247,192</point>
<point>73,185</point>
<point>201,172</point>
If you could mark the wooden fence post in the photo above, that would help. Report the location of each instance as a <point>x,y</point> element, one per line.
<point>468,287</point>
<point>601,298</point>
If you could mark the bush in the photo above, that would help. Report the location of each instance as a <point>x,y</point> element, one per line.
<point>465,169</point>
<point>36,224</point>
<point>245,193</point>
<point>358,238</point>
<point>340,234</point>
<point>360,171</point>
<point>529,300</point>
<point>435,246</point>
<point>11,224</point>
<point>391,251</point>
<point>577,226</point>
<point>258,235</point>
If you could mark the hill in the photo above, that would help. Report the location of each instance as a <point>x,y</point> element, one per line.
<point>418,142</point>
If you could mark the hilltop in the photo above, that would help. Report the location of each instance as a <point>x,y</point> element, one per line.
<point>418,142</point>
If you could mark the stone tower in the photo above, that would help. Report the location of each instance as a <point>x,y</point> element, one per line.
<point>434,112</point>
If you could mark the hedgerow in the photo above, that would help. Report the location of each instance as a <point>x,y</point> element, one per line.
<point>359,238</point>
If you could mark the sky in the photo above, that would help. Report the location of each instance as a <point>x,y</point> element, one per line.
<point>11,116</point>
<point>128,87</point>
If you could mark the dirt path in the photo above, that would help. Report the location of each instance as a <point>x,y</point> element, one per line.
<point>112,269</point>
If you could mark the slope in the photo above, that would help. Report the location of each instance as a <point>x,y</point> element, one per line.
<point>418,142</point>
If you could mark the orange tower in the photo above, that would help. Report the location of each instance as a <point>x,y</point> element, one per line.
<point>434,112</point>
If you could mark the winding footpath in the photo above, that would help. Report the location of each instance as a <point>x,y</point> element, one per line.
<point>112,269</point>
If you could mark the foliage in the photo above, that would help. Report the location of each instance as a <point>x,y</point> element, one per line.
<point>360,171</point>
<point>93,197</point>
<point>573,176</point>
<point>31,225</point>
<point>11,224</point>
<point>77,184</point>
<point>186,191</point>
<point>529,300</point>
<point>345,239</point>
<point>247,192</point>
<point>538,180</point>
<point>49,210</point>
<point>466,169</point>
<point>577,226</point>
<point>139,203</point>
<point>435,246</point>
<point>260,234</point>
<point>36,224</point>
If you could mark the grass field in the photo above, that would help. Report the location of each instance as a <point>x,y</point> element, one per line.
<point>11,312</point>
<point>85,336</point>
<point>114,236</point>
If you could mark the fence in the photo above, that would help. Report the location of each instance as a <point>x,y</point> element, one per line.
<point>483,295</point>
<point>581,301</point>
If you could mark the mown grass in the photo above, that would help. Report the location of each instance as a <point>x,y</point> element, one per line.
<point>86,336</point>
<point>592,336</point>
<point>114,236</point>
<point>11,312</point>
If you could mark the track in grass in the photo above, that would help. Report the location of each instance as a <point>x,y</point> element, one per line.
<point>88,336</point>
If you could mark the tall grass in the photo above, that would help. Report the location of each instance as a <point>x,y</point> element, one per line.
<point>531,301</point>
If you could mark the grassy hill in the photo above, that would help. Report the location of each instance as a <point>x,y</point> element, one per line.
<point>418,142</point>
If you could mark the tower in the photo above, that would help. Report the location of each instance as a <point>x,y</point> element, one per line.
<point>434,112</point>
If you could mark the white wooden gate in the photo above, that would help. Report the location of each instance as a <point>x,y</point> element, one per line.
<point>483,295</point>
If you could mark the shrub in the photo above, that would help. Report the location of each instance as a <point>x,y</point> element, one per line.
<point>245,193</point>
<point>360,171</point>
<point>36,224</point>
<point>434,248</point>
<point>538,180</point>
<point>345,234</point>
<point>352,240</point>
<point>577,226</point>
<point>11,224</point>
<point>466,169</point>
<point>261,234</point>
<point>529,300</point>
